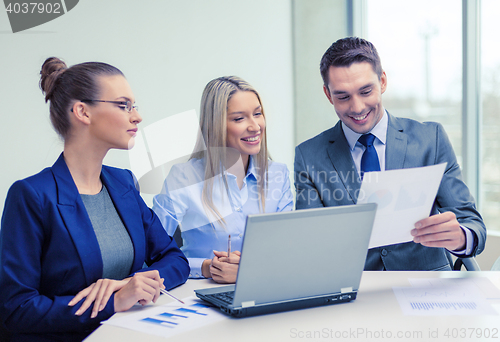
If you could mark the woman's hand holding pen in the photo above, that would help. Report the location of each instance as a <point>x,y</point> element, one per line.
<point>224,269</point>
<point>234,257</point>
<point>143,287</point>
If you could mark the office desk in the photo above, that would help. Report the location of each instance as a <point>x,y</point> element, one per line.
<point>374,315</point>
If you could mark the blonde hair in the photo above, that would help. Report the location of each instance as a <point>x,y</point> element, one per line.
<point>213,124</point>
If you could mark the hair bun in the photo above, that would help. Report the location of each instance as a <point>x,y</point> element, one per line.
<point>52,68</point>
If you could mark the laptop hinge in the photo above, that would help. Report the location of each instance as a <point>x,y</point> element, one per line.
<point>248,304</point>
<point>346,289</point>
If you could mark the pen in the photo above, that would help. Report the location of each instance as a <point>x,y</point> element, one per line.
<point>171,295</point>
<point>228,247</point>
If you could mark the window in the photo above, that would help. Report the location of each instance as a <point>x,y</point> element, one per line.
<point>490,93</point>
<point>421,52</point>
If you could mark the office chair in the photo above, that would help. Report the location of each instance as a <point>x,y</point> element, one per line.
<point>177,236</point>
<point>496,265</point>
<point>470,264</point>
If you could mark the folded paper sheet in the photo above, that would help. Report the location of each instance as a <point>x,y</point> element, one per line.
<point>403,196</point>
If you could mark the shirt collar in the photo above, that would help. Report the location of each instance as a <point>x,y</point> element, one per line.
<point>379,131</point>
<point>252,169</point>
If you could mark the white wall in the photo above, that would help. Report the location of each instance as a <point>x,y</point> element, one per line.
<point>168,51</point>
<point>317,24</point>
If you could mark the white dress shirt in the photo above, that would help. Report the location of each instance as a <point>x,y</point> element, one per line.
<point>180,203</point>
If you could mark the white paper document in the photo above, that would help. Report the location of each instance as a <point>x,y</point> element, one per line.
<point>485,287</point>
<point>170,319</point>
<point>404,197</point>
<point>448,296</point>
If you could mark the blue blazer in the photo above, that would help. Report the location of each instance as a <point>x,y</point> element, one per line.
<point>49,251</point>
<point>325,175</point>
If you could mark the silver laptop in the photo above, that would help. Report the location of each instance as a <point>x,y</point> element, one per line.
<point>298,259</point>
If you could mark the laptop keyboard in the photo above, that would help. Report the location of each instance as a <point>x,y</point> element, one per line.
<point>226,297</point>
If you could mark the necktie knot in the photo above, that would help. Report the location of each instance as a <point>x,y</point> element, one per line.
<point>366,139</point>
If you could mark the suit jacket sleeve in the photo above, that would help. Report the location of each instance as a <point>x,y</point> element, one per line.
<point>307,195</point>
<point>453,195</point>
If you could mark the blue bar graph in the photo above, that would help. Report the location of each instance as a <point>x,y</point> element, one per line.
<point>159,322</point>
<point>171,315</point>
<point>191,311</point>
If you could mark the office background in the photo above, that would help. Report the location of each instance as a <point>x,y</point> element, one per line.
<point>169,50</point>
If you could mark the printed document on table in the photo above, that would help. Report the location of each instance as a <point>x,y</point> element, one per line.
<point>439,297</point>
<point>404,197</point>
<point>170,319</point>
<point>482,285</point>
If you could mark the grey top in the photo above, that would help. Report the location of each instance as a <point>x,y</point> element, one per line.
<point>114,241</point>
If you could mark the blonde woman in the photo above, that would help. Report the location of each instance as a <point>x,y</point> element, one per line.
<point>228,177</point>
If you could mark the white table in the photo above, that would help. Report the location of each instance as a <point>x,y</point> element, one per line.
<point>374,316</point>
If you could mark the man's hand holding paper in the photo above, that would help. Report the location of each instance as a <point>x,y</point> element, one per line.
<point>441,230</point>
<point>405,198</point>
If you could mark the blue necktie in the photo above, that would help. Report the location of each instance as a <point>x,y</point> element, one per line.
<point>369,160</point>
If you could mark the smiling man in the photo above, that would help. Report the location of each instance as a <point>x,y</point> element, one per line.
<point>330,166</point>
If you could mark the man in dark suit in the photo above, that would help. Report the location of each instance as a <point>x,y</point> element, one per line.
<point>329,167</point>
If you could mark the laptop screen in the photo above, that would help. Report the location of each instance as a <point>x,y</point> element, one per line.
<point>303,253</point>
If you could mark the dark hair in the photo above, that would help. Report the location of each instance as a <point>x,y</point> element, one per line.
<point>62,85</point>
<point>347,51</point>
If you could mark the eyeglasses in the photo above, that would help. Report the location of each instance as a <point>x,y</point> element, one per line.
<point>127,105</point>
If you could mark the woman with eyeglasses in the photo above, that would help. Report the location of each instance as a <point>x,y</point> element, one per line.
<point>74,237</point>
<point>228,177</point>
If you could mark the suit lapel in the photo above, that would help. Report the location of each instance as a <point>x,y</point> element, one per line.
<point>77,221</point>
<point>396,145</point>
<point>125,203</point>
<point>341,158</point>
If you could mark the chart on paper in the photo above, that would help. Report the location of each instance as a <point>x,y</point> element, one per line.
<point>444,297</point>
<point>171,319</point>
<point>176,317</point>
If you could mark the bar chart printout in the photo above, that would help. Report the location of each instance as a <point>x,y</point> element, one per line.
<point>435,297</point>
<point>445,305</point>
<point>170,319</point>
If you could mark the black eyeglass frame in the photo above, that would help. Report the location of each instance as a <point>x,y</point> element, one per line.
<point>128,104</point>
